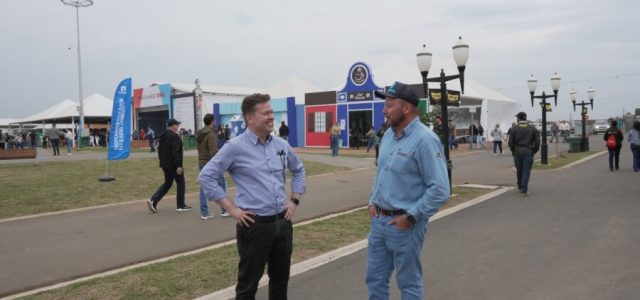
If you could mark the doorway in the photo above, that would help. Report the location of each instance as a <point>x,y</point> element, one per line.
<point>359,124</point>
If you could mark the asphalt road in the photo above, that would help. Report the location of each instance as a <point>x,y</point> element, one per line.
<point>50,249</point>
<point>575,237</point>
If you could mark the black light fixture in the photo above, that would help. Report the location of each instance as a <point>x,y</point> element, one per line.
<point>532,84</point>
<point>460,55</point>
<point>591,93</point>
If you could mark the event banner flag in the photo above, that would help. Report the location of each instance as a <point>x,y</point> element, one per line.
<point>119,136</point>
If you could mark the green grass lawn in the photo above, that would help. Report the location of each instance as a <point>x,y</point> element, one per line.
<point>54,186</point>
<point>199,274</point>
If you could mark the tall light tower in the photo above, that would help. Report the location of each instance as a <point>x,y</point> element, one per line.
<point>77,4</point>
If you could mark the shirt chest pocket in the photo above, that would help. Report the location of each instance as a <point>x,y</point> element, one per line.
<point>403,163</point>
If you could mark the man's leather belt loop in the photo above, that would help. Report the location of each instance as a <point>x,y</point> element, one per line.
<point>386,212</point>
<point>269,219</point>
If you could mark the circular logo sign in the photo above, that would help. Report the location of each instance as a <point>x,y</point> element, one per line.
<point>359,74</point>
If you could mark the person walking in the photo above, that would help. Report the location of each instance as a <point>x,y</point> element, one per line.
<point>614,145</point>
<point>54,138</point>
<point>371,138</point>
<point>257,162</point>
<point>634,144</point>
<point>554,132</point>
<point>151,136</point>
<point>335,139</point>
<point>68,136</point>
<point>170,153</point>
<point>497,136</point>
<point>481,136</point>
<point>410,185</point>
<point>453,143</point>
<point>283,131</point>
<point>524,143</point>
<point>473,135</point>
<point>207,140</point>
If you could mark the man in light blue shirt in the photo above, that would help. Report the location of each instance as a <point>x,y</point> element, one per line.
<point>257,163</point>
<point>410,186</point>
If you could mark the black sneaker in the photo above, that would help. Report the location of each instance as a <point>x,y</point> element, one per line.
<point>151,207</point>
<point>184,208</point>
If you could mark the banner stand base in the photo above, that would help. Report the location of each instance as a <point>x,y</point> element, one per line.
<point>106,178</point>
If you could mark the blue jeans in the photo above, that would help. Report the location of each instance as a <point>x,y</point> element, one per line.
<point>335,143</point>
<point>69,145</point>
<point>204,207</point>
<point>523,170</point>
<point>391,248</point>
<point>453,144</point>
<point>635,150</point>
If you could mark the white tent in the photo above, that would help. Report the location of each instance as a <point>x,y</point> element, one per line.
<point>292,87</point>
<point>97,108</point>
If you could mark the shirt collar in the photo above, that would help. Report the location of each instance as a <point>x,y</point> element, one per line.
<point>253,138</point>
<point>409,129</point>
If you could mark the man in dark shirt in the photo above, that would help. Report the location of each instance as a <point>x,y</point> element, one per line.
<point>283,131</point>
<point>524,143</point>
<point>170,153</point>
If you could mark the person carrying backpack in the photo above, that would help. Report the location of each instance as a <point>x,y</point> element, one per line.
<point>613,138</point>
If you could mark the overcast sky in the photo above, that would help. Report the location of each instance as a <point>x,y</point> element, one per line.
<point>259,43</point>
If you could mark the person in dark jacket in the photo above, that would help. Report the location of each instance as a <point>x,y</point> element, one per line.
<point>283,131</point>
<point>170,154</point>
<point>207,140</point>
<point>614,153</point>
<point>524,143</point>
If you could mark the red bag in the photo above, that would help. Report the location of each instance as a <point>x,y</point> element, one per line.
<point>612,142</point>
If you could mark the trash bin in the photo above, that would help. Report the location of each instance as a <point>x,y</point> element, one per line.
<point>574,144</point>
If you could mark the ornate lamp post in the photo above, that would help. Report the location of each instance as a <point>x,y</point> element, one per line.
<point>584,141</point>
<point>77,4</point>
<point>555,85</point>
<point>460,55</point>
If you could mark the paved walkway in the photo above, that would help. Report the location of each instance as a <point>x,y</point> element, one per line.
<point>575,237</point>
<point>65,246</point>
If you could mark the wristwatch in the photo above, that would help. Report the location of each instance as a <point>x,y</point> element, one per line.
<point>411,219</point>
<point>295,201</point>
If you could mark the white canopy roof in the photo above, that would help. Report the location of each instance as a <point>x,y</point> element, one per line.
<point>293,86</point>
<point>95,106</point>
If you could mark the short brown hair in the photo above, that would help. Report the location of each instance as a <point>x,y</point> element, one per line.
<point>249,102</point>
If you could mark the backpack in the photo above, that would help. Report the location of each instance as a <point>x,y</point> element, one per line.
<point>612,142</point>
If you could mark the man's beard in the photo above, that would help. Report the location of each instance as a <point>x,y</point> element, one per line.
<point>395,123</point>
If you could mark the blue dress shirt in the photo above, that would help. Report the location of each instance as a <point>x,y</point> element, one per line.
<point>257,170</point>
<point>412,172</point>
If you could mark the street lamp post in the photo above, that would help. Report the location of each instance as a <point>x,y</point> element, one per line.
<point>555,85</point>
<point>77,4</point>
<point>460,55</point>
<point>584,141</point>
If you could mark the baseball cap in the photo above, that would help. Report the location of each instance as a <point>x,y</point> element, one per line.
<point>172,122</point>
<point>400,90</point>
<point>521,115</point>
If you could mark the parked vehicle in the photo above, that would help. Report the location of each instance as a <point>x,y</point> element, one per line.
<point>600,126</point>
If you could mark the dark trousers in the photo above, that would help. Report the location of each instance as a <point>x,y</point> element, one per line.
<point>614,154</point>
<point>635,150</point>
<point>523,171</point>
<point>497,144</point>
<point>169,177</point>
<point>55,145</point>
<point>260,244</point>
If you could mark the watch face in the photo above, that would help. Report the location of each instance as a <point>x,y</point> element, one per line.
<point>359,75</point>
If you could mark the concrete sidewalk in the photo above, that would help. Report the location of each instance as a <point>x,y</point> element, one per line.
<point>49,249</point>
<point>66,246</point>
<point>575,237</point>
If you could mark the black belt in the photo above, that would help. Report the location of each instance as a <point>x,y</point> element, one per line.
<point>387,212</point>
<point>269,219</point>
